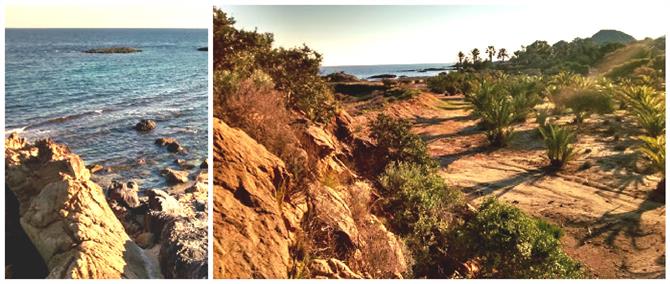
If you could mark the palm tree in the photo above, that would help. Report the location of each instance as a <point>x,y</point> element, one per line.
<point>475,55</point>
<point>491,51</point>
<point>502,54</point>
<point>461,56</point>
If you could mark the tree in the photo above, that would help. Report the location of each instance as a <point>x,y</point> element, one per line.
<point>491,51</point>
<point>502,54</point>
<point>461,57</point>
<point>475,55</point>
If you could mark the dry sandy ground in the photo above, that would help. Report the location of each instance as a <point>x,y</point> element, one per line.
<point>599,200</point>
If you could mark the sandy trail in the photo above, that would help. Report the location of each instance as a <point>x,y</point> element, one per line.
<point>609,223</point>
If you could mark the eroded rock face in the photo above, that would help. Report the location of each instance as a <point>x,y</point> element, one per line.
<point>175,176</point>
<point>251,237</point>
<point>66,216</point>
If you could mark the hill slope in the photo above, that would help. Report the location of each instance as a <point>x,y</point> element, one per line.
<point>612,36</point>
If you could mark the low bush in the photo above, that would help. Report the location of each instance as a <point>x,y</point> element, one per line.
<point>402,93</point>
<point>653,148</point>
<point>261,112</point>
<point>511,244</point>
<point>648,107</point>
<point>584,101</point>
<point>394,137</point>
<point>559,144</point>
<point>450,83</point>
<point>419,202</point>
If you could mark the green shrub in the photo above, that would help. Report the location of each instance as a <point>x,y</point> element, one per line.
<point>648,107</point>
<point>654,150</point>
<point>394,136</point>
<point>449,83</point>
<point>419,202</point>
<point>525,92</point>
<point>626,69</point>
<point>402,93</point>
<point>511,244</point>
<point>559,144</point>
<point>584,101</point>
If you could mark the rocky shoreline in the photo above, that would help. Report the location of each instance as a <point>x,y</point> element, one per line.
<point>80,230</point>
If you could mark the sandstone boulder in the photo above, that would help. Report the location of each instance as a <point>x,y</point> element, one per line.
<point>66,216</point>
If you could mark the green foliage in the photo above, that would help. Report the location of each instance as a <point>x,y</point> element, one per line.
<point>626,69</point>
<point>402,93</point>
<point>394,136</point>
<point>648,107</point>
<point>559,144</point>
<point>511,244</point>
<point>419,201</point>
<point>575,56</point>
<point>450,83</point>
<point>295,71</point>
<point>654,150</point>
<point>584,100</point>
<point>525,92</point>
<point>492,103</point>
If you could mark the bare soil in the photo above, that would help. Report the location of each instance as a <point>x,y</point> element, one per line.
<point>600,199</point>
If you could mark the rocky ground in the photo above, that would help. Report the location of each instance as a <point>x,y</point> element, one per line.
<point>70,227</point>
<point>267,227</point>
<point>600,200</point>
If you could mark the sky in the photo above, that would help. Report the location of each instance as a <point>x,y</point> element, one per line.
<point>368,35</point>
<point>107,14</point>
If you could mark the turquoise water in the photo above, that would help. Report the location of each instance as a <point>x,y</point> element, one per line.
<point>92,101</point>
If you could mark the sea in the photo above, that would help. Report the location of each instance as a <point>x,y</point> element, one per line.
<point>92,101</point>
<point>409,70</point>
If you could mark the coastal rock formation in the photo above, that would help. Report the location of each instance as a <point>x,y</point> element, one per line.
<point>113,50</point>
<point>175,176</point>
<point>171,144</point>
<point>203,49</point>
<point>145,125</point>
<point>66,216</point>
<point>340,77</point>
<point>251,237</point>
<point>125,193</point>
<point>331,269</point>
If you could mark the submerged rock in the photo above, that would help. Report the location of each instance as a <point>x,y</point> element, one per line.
<point>203,49</point>
<point>171,144</point>
<point>66,216</point>
<point>113,50</point>
<point>145,125</point>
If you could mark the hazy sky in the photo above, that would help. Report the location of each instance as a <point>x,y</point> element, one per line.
<point>360,35</point>
<point>107,14</point>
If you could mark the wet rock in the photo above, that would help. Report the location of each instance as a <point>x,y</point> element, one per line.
<point>164,141</point>
<point>113,50</point>
<point>124,193</point>
<point>204,164</point>
<point>175,176</point>
<point>145,125</point>
<point>66,215</point>
<point>184,164</point>
<point>175,147</point>
<point>94,168</point>
<point>203,48</point>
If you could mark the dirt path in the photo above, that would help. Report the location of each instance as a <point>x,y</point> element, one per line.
<point>602,205</point>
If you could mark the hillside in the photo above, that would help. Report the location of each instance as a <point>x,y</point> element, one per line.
<point>611,36</point>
